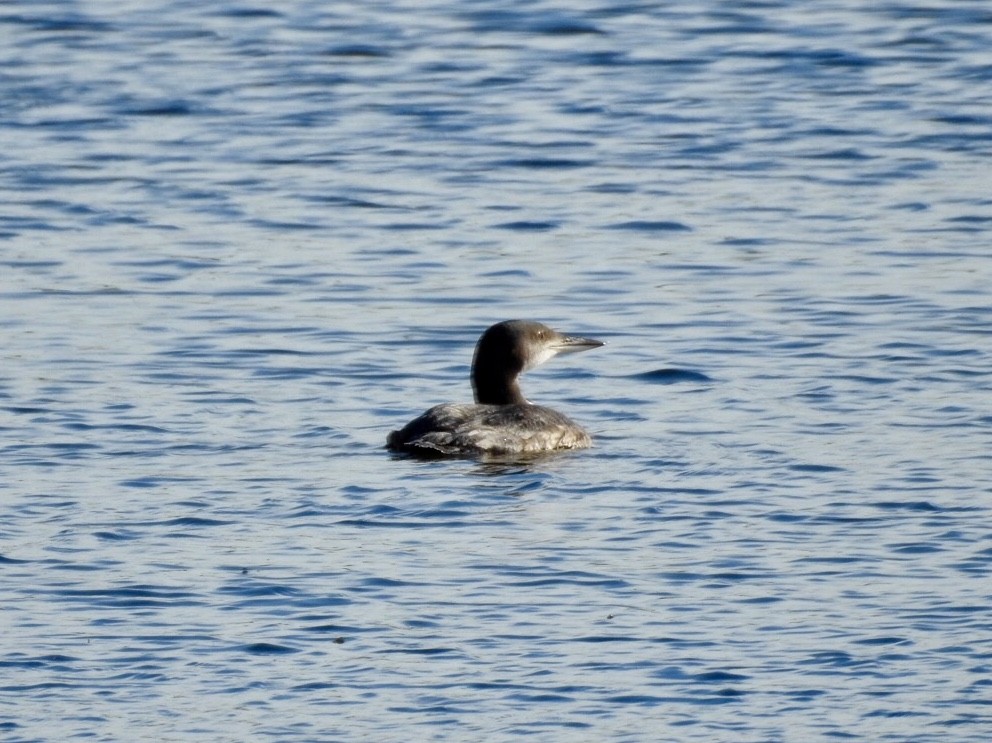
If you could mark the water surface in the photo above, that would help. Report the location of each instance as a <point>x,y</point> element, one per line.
<point>240,244</point>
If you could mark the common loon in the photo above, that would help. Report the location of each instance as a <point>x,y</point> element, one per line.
<point>501,421</point>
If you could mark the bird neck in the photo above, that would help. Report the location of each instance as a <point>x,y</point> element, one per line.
<point>496,389</point>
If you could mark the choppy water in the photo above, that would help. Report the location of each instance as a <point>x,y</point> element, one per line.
<point>241,243</point>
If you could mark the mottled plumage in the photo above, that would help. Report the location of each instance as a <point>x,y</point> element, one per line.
<point>462,428</point>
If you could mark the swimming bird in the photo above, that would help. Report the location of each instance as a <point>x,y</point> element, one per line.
<point>502,421</point>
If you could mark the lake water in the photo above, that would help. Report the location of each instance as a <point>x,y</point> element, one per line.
<point>239,244</point>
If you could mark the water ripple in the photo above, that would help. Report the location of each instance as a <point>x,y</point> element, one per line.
<point>240,244</point>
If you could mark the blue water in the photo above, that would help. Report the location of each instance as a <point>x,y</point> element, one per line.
<point>240,243</point>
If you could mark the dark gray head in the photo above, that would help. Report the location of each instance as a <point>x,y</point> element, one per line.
<point>511,347</point>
